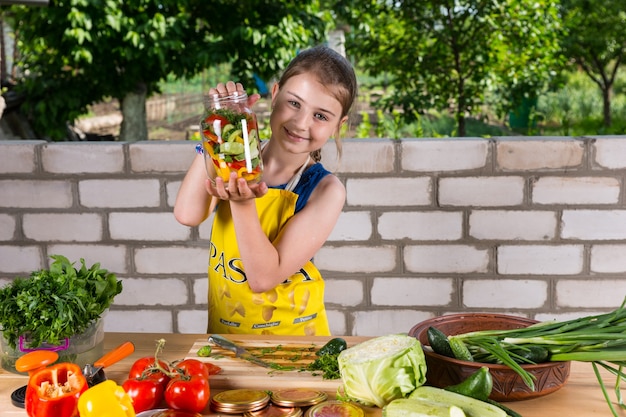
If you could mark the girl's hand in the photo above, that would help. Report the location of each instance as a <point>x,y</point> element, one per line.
<point>231,87</point>
<point>237,189</point>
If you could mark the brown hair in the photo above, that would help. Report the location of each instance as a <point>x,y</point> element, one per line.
<point>333,70</point>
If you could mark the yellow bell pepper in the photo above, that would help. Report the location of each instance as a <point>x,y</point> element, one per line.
<point>107,399</point>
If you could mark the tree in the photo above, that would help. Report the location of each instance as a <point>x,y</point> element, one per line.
<point>77,52</point>
<point>595,42</point>
<point>446,54</point>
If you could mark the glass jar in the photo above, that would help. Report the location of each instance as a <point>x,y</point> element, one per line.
<point>230,136</point>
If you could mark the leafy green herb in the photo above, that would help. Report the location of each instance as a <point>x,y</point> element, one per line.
<point>55,304</point>
<point>327,364</point>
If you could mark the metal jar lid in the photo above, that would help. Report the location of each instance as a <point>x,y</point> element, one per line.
<point>335,409</point>
<point>298,397</point>
<point>239,401</point>
<point>275,411</point>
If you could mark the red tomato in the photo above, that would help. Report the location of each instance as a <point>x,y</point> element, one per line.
<point>146,394</point>
<point>193,367</point>
<point>188,393</point>
<point>144,368</point>
<point>213,369</point>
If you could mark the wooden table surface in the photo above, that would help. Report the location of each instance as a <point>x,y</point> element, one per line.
<point>581,396</point>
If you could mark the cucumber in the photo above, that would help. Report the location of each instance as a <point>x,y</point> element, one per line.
<point>439,342</point>
<point>461,352</point>
<point>470,406</point>
<point>231,148</point>
<point>507,410</point>
<point>333,347</point>
<point>227,129</point>
<point>232,135</point>
<point>533,354</point>
<point>478,385</point>
<point>404,407</point>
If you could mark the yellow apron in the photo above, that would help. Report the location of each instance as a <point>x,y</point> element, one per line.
<point>295,307</point>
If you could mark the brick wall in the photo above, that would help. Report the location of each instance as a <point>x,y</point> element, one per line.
<point>526,226</point>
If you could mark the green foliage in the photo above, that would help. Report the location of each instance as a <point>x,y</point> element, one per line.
<point>76,52</point>
<point>57,303</point>
<point>594,41</point>
<point>576,109</point>
<point>446,55</point>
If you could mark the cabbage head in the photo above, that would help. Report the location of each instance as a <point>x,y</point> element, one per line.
<point>382,369</point>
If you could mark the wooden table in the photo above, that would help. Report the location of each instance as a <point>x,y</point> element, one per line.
<point>581,396</point>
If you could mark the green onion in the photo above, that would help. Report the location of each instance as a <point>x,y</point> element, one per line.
<point>599,339</point>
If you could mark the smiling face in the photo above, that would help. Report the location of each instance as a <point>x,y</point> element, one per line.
<point>305,114</point>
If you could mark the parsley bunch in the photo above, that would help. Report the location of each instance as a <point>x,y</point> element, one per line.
<point>57,303</point>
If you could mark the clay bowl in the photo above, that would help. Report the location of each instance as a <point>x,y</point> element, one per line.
<point>443,371</point>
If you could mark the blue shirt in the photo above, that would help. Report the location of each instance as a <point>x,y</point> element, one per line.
<point>309,180</point>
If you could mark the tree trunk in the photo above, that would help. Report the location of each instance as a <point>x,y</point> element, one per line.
<point>606,106</point>
<point>134,124</point>
<point>460,124</point>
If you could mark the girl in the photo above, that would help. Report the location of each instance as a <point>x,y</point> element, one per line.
<point>261,278</point>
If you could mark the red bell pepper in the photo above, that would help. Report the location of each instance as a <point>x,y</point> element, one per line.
<point>54,391</point>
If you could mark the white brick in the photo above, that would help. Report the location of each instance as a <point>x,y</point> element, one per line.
<point>18,157</point>
<point>608,258</point>
<point>594,224</point>
<point>110,257</point>
<point>7,226</point>
<point>540,259</point>
<point>412,291</point>
<point>139,321</point>
<point>481,191</point>
<point>446,259</point>
<point>35,194</point>
<point>383,322</point>
<point>444,154</point>
<point>337,322</point>
<point>159,156</point>
<point>512,225</point>
<point>610,151</point>
<point>20,259</point>
<point>119,193</point>
<point>597,293</point>
<point>192,321</point>
<point>172,260</point>
<point>201,289</point>
<point>152,292</point>
<point>389,191</point>
<point>435,225</point>
<point>204,229</point>
<point>59,227</point>
<point>527,153</point>
<point>147,226</point>
<point>579,190</point>
<point>344,292</point>
<point>79,157</point>
<point>356,258</point>
<point>351,226</point>
<point>360,156</point>
<point>568,316</point>
<point>504,293</point>
<point>171,189</point>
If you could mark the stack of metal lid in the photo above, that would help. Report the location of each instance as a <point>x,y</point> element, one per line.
<point>239,401</point>
<point>298,397</point>
<point>275,411</point>
<point>335,409</point>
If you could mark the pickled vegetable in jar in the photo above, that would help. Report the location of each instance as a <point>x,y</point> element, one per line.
<point>230,136</point>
